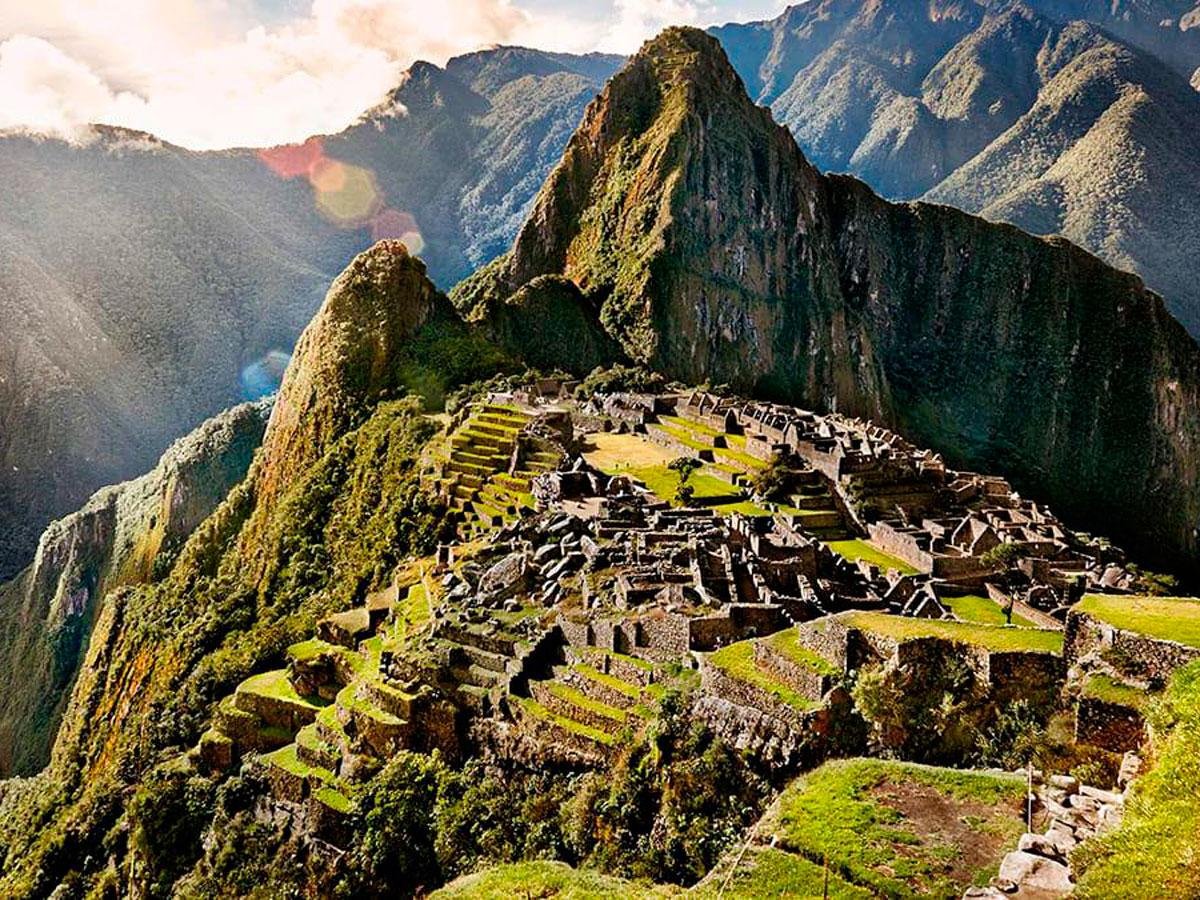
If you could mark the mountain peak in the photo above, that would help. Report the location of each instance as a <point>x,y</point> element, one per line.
<point>344,359</point>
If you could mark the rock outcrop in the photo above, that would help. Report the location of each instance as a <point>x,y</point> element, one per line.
<point>716,252</point>
<point>345,361</point>
<point>125,534</point>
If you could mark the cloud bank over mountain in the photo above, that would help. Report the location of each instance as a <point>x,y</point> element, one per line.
<point>206,74</point>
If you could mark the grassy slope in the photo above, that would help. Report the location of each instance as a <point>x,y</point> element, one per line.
<point>990,637</point>
<point>1154,852</point>
<point>982,611</point>
<point>854,550</point>
<point>546,879</point>
<point>1166,618</point>
<point>839,812</point>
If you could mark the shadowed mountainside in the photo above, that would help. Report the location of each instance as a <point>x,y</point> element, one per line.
<point>139,281</point>
<point>1026,112</point>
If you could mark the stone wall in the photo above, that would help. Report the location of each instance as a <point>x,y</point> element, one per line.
<point>900,544</point>
<point>828,638</point>
<point>805,681</point>
<point>1108,725</point>
<point>1034,677</point>
<point>1134,655</point>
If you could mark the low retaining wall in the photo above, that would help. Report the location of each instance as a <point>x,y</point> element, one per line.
<point>1134,655</point>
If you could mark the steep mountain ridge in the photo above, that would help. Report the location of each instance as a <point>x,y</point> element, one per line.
<point>139,280</point>
<point>714,250</point>
<point>1020,111</point>
<point>125,534</point>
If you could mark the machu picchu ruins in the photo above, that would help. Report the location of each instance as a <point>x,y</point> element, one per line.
<point>613,548</point>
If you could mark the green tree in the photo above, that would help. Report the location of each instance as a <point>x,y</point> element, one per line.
<point>684,466</point>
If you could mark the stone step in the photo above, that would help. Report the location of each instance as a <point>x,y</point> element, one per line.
<point>312,749</point>
<point>465,468</point>
<point>478,676</point>
<point>509,425</point>
<point>387,697</point>
<point>599,686</point>
<point>572,704</point>
<point>476,458</point>
<point>486,659</point>
<point>544,724</point>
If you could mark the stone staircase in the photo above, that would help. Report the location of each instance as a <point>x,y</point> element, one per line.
<point>818,512</point>
<point>477,480</point>
<point>591,701</point>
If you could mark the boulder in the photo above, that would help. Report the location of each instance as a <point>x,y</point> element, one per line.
<point>1036,873</point>
<point>1044,845</point>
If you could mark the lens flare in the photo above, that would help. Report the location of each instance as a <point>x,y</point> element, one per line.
<point>414,242</point>
<point>264,375</point>
<point>294,160</point>
<point>345,194</point>
<point>392,223</point>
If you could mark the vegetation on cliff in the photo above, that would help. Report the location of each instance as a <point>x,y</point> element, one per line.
<point>716,252</point>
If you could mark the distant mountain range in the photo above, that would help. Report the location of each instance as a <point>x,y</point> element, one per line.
<point>141,283</point>
<point>1019,111</point>
<point>144,287</point>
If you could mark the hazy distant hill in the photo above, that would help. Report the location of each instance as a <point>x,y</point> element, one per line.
<point>1005,109</point>
<point>138,280</point>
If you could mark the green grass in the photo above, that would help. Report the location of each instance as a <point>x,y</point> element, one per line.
<point>547,879</point>
<point>632,691</point>
<point>1109,690</point>
<point>535,709</point>
<point>347,700</point>
<point>737,661</point>
<point>276,684</point>
<point>841,812</point>
<point>995,638</point>
<point>787,642</point>
<point>286,759</point>
<point>1164,618</point>
<point>745,507</point>
<point>1154,852</point>
<point>856,549</point>
<point>982,610</point>
<point>699,437</point>
<point>334,799</point>
<point>767,872</point>
<point>307,651</point>
<point>580,700</point>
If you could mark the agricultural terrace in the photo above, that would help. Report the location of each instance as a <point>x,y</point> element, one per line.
<point>899,829</point>
<point>1164,618</point>
<point>995,638</point>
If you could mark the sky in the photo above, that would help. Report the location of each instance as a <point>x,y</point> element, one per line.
<point>209,74</point>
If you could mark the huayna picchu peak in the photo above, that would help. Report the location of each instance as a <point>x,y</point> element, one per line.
<point>715,251</point>
<point>736,533</point>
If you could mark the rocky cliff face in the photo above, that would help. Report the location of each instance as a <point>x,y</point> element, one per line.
<point>715,251</point>
<point>125,534</point>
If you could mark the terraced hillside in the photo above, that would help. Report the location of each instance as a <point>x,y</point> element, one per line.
<point>485,478</point>
<point>594,700</point>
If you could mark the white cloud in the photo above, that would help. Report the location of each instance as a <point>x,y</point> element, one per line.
<point>208,73</point>
<point>183,71</point>
<point>637,20</point>
<point>43,89</point>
